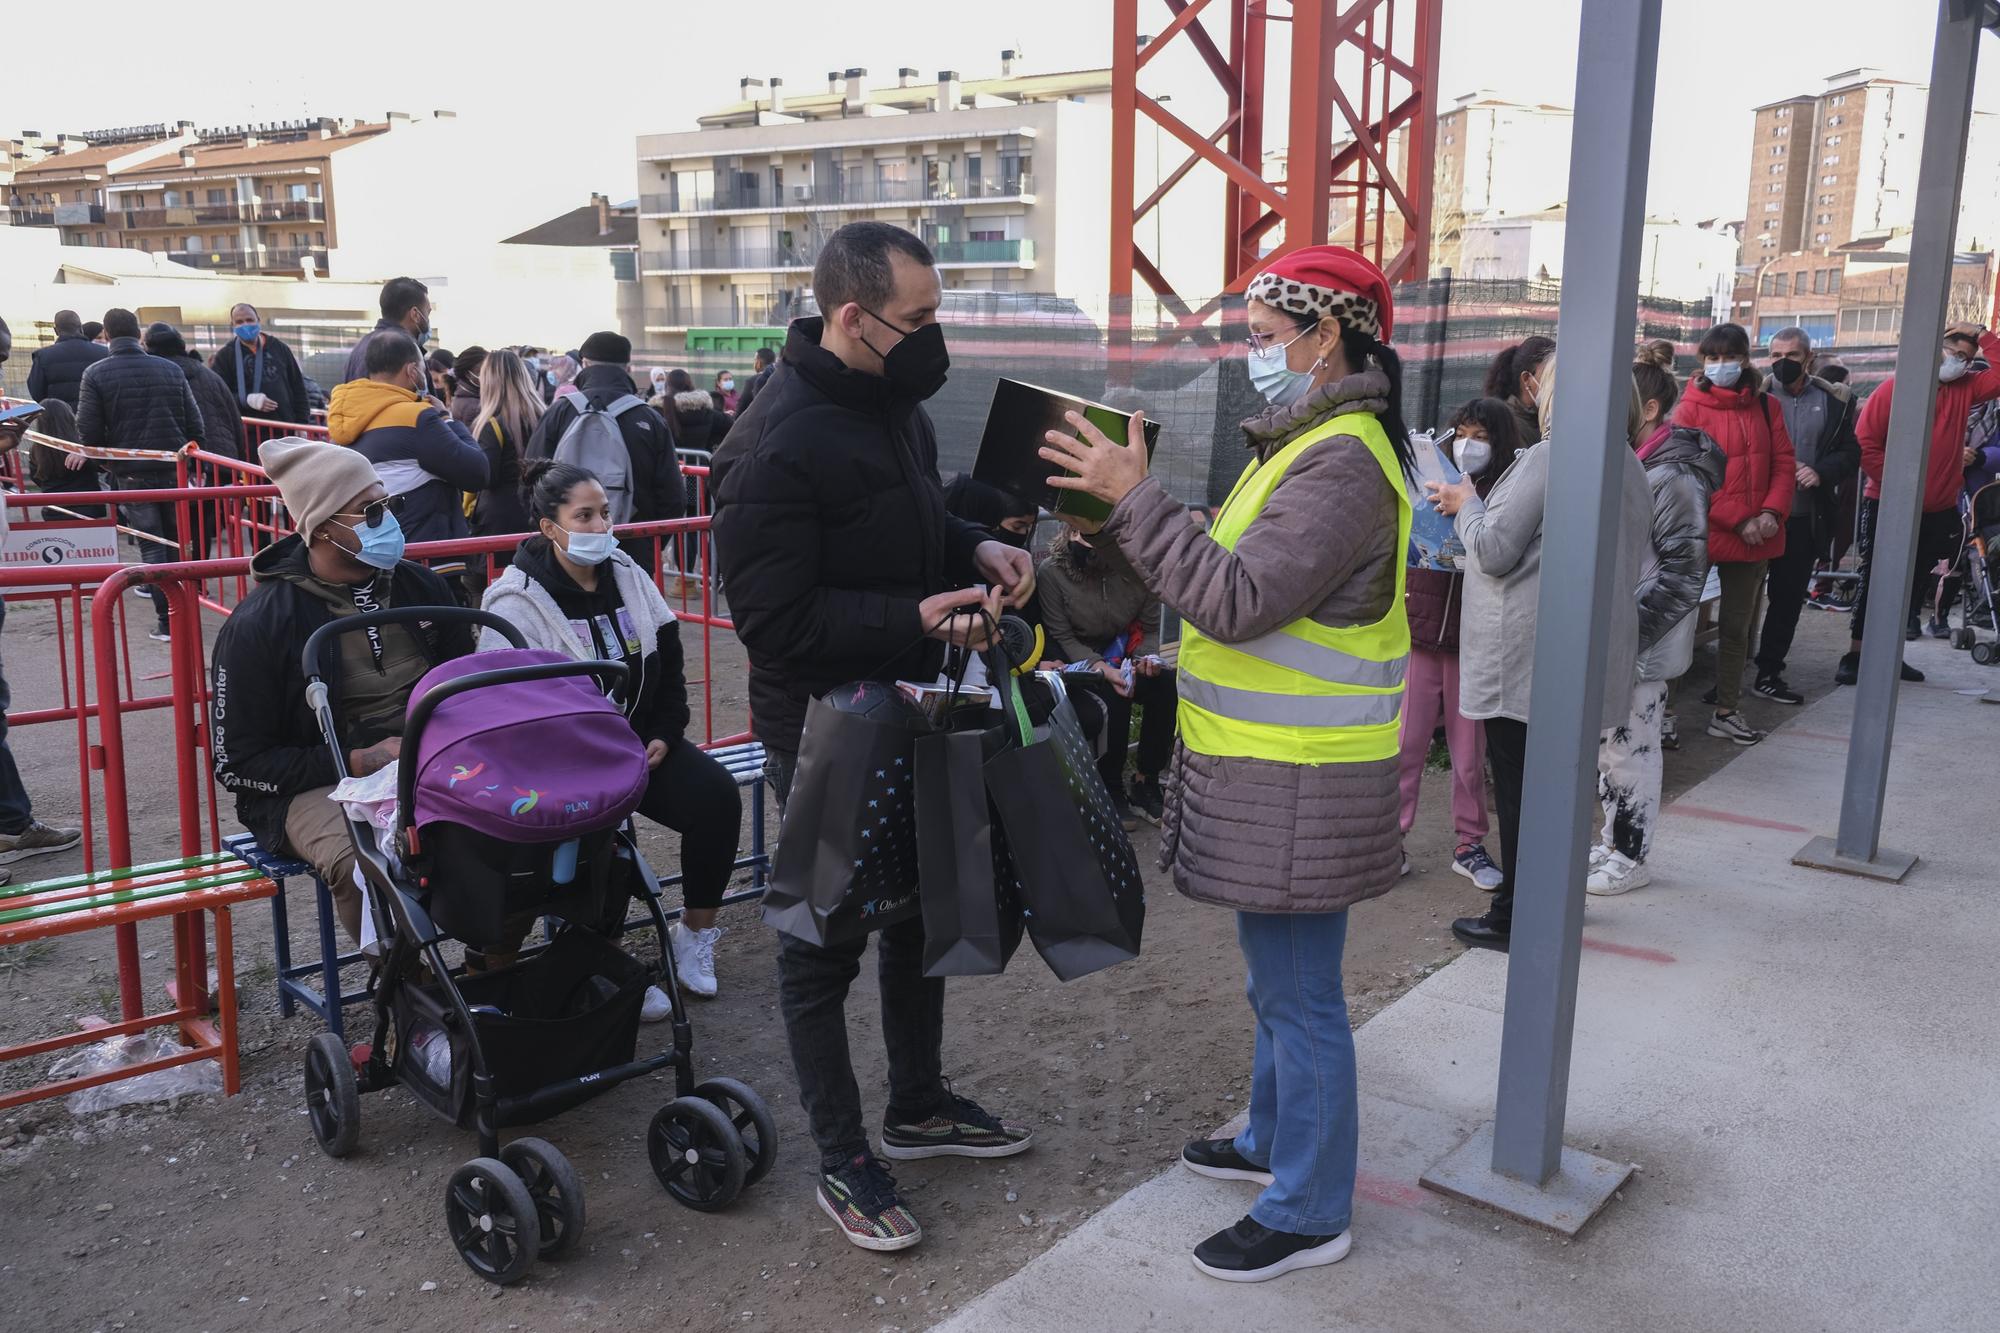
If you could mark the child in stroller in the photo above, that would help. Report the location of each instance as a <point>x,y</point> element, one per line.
<point>513,788</point>
<point>1980,559</point>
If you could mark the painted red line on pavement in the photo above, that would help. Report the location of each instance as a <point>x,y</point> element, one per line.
<point>1629,951</point>
<point>1730,817</point>
<point>1387,1191</point>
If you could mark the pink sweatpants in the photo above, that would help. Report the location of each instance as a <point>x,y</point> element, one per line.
<point>1430,692</point>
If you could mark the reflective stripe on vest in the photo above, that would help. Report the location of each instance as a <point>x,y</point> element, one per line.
<point>1305,693</point>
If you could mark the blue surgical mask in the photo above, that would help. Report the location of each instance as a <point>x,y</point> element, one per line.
<point>381,545</point>
<point>550,376</point>
<point>248,332</point>
<point>1278,382</point>
<point>587,548</point>
<point>1723,374</point>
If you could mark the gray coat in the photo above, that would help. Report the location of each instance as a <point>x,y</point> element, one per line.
<point>1253,834</point>
<point>1503,577</point>
<point>1683,471</point>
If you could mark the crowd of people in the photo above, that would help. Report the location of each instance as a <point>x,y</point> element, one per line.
<point>1281,747</point>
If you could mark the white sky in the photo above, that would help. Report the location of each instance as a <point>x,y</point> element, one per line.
<point>545,85</point>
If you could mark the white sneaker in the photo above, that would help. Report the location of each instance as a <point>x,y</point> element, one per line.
<point>1618,874</point>
<point>1598,854</point>
<point>694,958</point>
<point>656,1007</point>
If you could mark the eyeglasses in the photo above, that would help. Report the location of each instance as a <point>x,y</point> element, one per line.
<point>371,514</point>
<point>1258,342</point>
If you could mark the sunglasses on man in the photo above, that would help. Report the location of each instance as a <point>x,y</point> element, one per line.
<point>371,513</point>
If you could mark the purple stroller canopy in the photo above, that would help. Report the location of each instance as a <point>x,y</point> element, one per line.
<point>533,761</point>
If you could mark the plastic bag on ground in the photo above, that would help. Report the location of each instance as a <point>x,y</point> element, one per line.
<point>162,1085</point>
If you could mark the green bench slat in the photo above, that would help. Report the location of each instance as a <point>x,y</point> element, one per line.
<point>122,897</point>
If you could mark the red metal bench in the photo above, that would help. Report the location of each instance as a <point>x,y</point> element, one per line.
<point>71,905</point>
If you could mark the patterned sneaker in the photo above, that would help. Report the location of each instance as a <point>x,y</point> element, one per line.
<point>1471,861</point>
<point>958,1128</point>
<point>861,1197</point>
<point>1774,687</point>
<point>38,839</point>
<point>1732,727</point>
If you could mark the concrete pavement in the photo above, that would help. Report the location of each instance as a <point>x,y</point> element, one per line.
<point>1805,1065</point>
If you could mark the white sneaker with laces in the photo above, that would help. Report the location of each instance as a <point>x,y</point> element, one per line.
<point>1618,874</point>
<point>1732,727</point>
<point>656,1006</point>
<point>694,958</point>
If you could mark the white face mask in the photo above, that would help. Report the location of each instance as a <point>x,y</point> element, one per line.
<point>1723,374</point>
<point>1954,367</point>
<point>587,548</point>
<point>1472,456</point>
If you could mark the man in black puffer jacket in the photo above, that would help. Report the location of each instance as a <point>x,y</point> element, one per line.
<point>131,400</point>
<point>56,371</point>
<point>838,553</point>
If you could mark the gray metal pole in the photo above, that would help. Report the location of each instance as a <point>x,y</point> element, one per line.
<point>1617,51</point>
<point>1940,174</point>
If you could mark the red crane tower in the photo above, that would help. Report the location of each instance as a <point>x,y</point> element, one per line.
<point>1362,86</point>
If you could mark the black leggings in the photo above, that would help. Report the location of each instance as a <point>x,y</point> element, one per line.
<point>694,796</point>
<point>1507,751</point>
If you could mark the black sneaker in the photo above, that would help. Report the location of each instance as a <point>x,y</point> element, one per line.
<point>1937,629</point>
<point>958,1128</point>
<point>1128,818</point>
<point>861,1198</point>
<point>1773,687</point>
<point>1252,1252</point>
<point>1709,698</point>
<point>1483,932</point>
<point>1849,668</point>
<point>1148,800</point>
<point>1219,1160</point>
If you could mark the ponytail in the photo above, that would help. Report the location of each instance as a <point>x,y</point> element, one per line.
<point>1361,348</point>
<point>1503,377</point>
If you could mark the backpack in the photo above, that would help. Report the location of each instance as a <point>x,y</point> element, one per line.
<point>594,443</point>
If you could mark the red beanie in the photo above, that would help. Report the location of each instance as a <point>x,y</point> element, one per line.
<point>1328,280</point>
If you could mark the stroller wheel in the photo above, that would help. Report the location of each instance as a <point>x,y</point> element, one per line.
<point>553,1185</point>
<point>697,1154</point>
<point>492,1220</point>
<point>1983,653</point>
<point>333,1099</point>
<point>754,1125</point>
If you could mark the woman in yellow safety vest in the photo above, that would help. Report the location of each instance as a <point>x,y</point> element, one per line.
<point>1283,798</point>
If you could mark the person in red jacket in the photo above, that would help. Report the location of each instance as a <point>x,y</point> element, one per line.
<point>1747,513</point>
<point>1960,389</point>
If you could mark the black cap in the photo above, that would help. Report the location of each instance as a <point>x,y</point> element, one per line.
<point>604,346</point>
<point>163,339</point>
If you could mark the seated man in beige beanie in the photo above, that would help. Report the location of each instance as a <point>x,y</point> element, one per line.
<point>345,558</point>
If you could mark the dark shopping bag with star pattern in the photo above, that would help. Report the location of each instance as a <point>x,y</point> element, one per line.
<point>1082,899</point>
<point>970,891</point>
<point>846,861</point>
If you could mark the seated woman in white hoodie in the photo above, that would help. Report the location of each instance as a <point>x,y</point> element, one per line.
<point>571,590</point>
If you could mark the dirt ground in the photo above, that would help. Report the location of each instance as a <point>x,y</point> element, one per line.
<point>222,1213</point>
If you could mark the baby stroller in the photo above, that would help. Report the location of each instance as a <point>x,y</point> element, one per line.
<point>1981,557</point>
<point>515,783</point>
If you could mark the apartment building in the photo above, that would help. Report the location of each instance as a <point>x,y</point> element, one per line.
<point>1495,158</point>
<point>1830,167</point>
<point>732,214</point>
<point>1852,295</point>
<point>252,199</point>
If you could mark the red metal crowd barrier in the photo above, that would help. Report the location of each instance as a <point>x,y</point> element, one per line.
<point>256,430</point>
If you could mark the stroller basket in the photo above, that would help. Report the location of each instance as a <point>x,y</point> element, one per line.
<point>570,1010</point>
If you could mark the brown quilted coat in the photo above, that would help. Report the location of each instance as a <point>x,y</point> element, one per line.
<point>1252,834</point>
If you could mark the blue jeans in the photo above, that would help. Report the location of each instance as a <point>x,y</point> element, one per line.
<point>1303,1108</point>
<point>15,812</point>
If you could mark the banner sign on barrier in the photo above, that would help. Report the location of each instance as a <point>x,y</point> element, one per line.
<point>52,545</point>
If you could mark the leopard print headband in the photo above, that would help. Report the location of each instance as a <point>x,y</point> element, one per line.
<point>1350,309</point>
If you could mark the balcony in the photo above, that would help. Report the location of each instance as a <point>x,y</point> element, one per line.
<point>249,261</point>
<point>704,313</point>
<point>999,254</point>
<point>30,217</point>
<point>79,215</point>
<point>856,193</point>
<point>230,213</point>
<point>729,259</point>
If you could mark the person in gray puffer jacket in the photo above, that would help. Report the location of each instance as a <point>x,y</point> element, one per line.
<point>1683,468</point>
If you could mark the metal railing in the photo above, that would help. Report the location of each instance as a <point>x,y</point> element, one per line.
<point>191,215</point>
<point>248,261</point>
<point>741,257</point>
<point>860,192</point>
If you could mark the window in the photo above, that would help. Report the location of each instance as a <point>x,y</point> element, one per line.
<point>992,234</point>
<point>1823,218</point>
<point>1826,199</point>
<point>191,245</point>
<point>1771,208</point>
<point>1829,180</point>
<point>1833,141</point>
<point>1783,285</point>
<point>1819,281</point>
<point>218,196</point>
<point>298,193</point>
<point>171,199</point>
<point>972,172</point>
<point>1833,280</point>
<point>1822,237</point>
<point>1777,169</point>
<point>1769,283</point>
<point>319,239</point>
<point>1830,160</point>
<point>1777,150</point>
<point>1839,101</point>
<point>1835,120</point>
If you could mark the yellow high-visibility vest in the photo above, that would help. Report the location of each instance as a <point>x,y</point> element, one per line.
<point>1304,693</point>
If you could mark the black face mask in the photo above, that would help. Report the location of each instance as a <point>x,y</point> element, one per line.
<point>1008,537</point>
<point>916,366</point>
<point>1787,371</point>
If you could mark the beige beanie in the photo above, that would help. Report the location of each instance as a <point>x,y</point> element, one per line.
<point>315,478</point>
